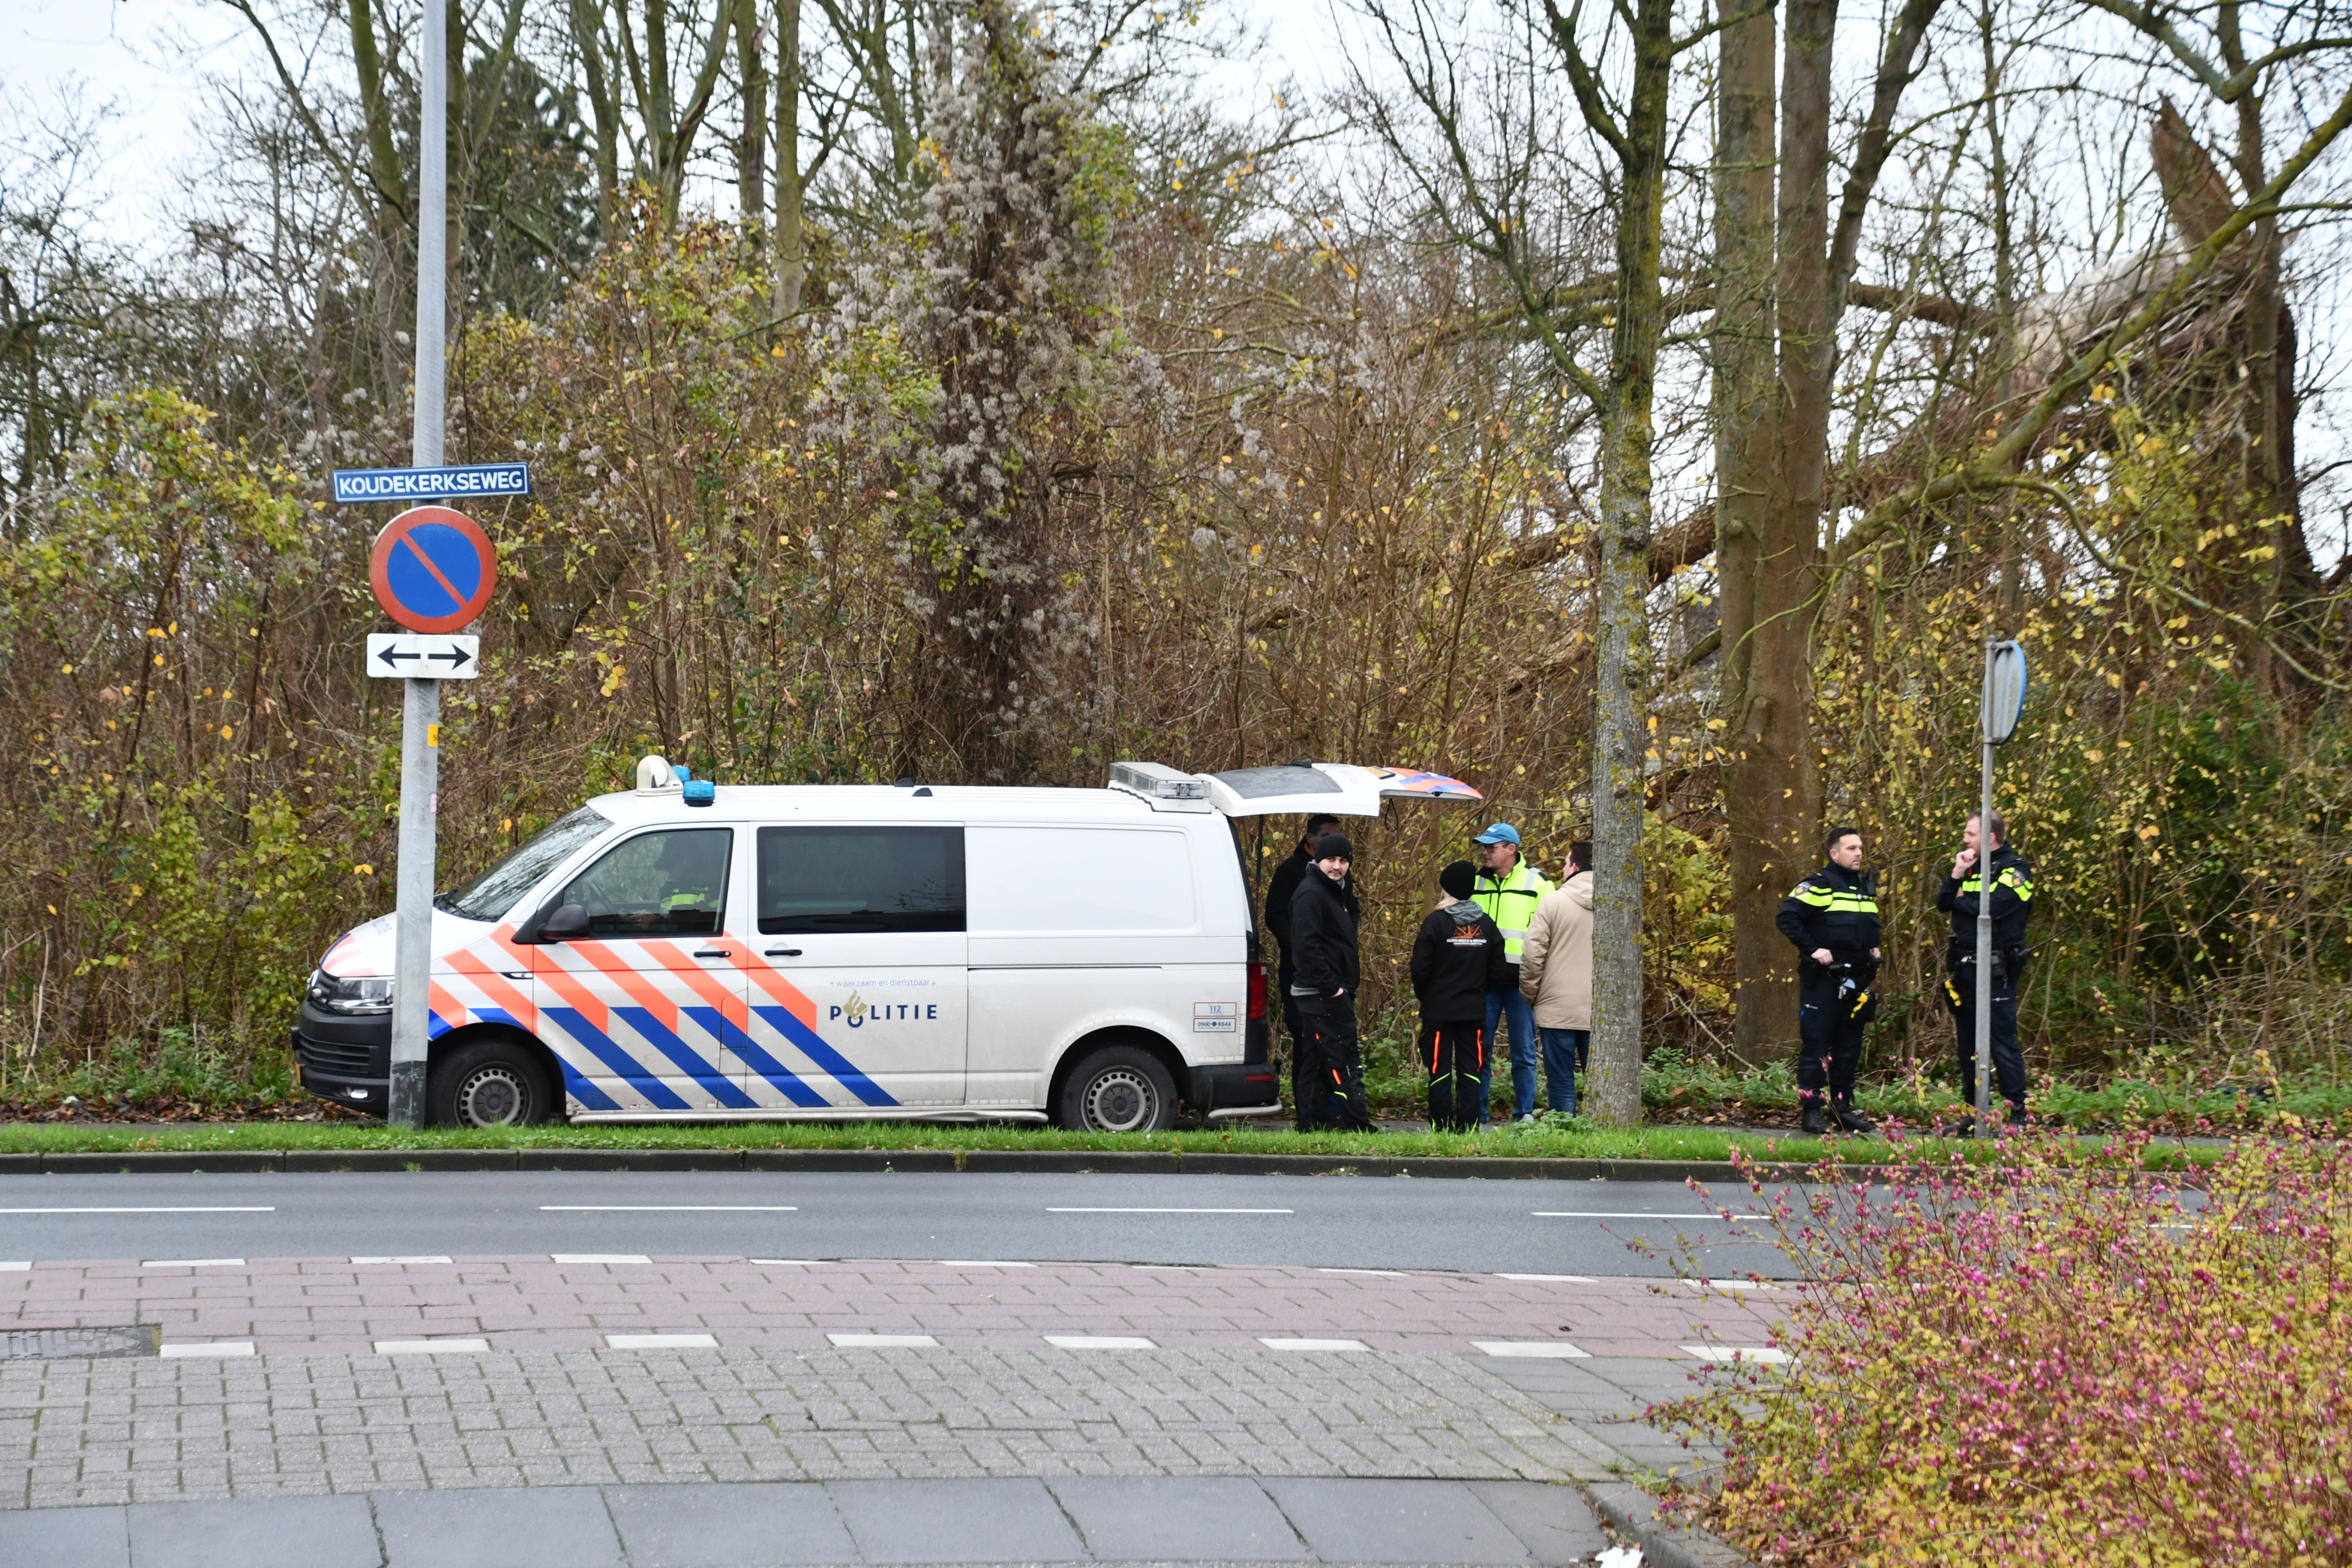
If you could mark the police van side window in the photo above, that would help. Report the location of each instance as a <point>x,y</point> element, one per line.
<point>860,879</point>
<point>658,885</point>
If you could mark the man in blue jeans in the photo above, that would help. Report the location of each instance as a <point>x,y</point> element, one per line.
<point>1508,889</point>
<point>1556,977</point>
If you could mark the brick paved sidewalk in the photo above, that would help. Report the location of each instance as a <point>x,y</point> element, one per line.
<point>276,1306</point>
<point>95,1432</point>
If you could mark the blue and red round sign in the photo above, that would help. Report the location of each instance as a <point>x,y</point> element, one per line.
<point>432,568</point>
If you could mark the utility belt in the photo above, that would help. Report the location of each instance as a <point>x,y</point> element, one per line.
<point>1856,997</point>
<point>2008,963</point>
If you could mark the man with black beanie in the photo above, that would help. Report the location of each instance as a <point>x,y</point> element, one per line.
<point>1457,958</point>
<point>1324,970</point>
<point>1279,896</point>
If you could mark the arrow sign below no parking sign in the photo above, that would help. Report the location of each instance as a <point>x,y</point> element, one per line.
<point>433,569</point>
<point>398,655</point>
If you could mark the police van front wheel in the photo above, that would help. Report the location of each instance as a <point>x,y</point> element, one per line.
<point>1119,1089</point>
<point>489,1084</point>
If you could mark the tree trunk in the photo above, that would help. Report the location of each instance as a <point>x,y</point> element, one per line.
<point>1621,739</point>
<point>751,145</point>
<point>792,265</point>
<point>1746,480</point>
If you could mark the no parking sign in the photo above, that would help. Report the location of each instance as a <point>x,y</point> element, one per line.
<point>432,568</point>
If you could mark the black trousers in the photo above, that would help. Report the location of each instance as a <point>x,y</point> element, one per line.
<point>1456,1055</point>
<point>1296,1025</point>
<point>2008,1061</point>
<point>1332,1065</point>
<point>1829,1042</point>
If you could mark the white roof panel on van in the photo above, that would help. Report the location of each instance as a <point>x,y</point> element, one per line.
<point>1339,787</point>
<point>880,802</point>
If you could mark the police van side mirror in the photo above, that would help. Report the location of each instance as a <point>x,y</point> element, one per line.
<point>568,923</point>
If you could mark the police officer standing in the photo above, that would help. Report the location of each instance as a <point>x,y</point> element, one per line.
<point>1832,917</point>
<point>2012,897</point>
<point>1323,919</point>
<point>1280,894</point>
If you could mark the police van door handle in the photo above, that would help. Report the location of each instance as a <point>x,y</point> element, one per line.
<point>783,953</point>
<point>711,951</point>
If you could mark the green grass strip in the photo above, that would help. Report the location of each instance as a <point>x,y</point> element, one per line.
<point>1536,1141</point>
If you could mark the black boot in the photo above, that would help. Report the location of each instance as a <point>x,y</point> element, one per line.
<point>1815,1122</point>
<point>1854,1121</point>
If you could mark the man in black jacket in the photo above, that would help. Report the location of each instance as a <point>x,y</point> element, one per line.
<point>1325,972</point>
<point>1832,917</point>
<point>2012,897</point>
<point>1279,896</point>
<point>1458,957</point>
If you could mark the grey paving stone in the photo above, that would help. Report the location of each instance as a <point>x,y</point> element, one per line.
<point>1554,1521</point>
<point>550,1527</point>
<point>956,1522</point>
<point>1178,1520</point>
<point>757,1523</point>
<point>255,1533</point>
<point>1350,1521</point>
<point>65,1537</point>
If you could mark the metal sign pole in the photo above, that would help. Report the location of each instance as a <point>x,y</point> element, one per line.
<point>420,730</point>
<point>1984,915</point>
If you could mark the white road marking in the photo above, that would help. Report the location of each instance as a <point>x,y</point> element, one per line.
<point>1314,1344</point>
<point>189,1209</point>
<point>1605,1214</point>
<point>981,1263</point>
<point>785,1262</point>
<point>211,1348</point>
<point>15,1267</point>
<point>1552,1279</point>
<point>667,1209</point>
<point>1391,1273</point>
<point>1724,1354</point>
<point>884,1341</point>
<point>431,1346</point>
<point>598,1258</point>
<point>1172,1212</point>
<point>193,1263</point>
<point>1704,1285</point>
<point>1098,1342</point>
<point>420,1258</point>
<point>662,1340</point>
<point>1540,1349</point>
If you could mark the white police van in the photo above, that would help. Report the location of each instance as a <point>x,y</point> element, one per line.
<point>692,952</point>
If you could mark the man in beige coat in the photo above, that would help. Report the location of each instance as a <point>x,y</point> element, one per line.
<point>1556,977</point>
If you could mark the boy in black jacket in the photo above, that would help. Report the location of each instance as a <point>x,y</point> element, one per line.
<point>1457,958</point>
<point>1325,970</point>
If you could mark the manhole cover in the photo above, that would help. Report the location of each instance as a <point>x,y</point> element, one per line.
<point>60,1344</point>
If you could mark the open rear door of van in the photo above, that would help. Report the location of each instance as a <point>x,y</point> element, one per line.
<point>1339,787</point>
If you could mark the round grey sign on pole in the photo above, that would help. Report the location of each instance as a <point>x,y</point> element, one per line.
<point>2004,692</point>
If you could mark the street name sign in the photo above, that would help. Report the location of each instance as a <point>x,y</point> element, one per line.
<point>355,487</point>
<point>432,568</point>
<point>405,655</point>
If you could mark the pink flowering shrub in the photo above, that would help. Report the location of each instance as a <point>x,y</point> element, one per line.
<point>2045,1361</point>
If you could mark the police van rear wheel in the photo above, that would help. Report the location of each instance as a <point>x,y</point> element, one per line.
<point>1119,1089</point>
<point>490,1083</point>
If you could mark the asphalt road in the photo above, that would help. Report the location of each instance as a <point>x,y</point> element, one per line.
<point>1488,1227</point>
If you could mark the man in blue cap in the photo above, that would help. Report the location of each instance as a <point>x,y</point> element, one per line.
<point>1508,890</point>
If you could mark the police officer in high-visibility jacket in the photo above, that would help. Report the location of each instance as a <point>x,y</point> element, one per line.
<point>1508,889</point>
<point>1832,917</point>
<point>2012,901</point>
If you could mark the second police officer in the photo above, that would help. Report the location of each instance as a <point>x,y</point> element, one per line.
<point>2012,902</point>
<point>1832,918</point>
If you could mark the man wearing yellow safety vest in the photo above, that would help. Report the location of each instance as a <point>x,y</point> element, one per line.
<point>1508,890</point>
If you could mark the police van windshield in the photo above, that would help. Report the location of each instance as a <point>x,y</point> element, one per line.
<point>497,890</point>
